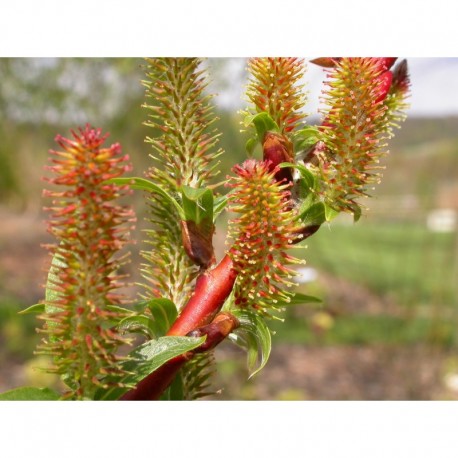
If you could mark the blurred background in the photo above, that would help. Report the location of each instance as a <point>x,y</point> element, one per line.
<point>388,324</point>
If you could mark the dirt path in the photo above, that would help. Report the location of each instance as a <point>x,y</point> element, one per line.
<point>340,373</point>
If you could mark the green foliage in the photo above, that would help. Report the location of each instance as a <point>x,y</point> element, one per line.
<point>156,319</point>
<point>369,253</point>
<point>143,184</point>
<point>33,309</point>
<point>195,204</point>
<point>302,299</point>
<point>29,393</point>
<point>262,123</point>
<point>198,207</point>
<point>306,137</point>
<point>254,336</point>
<point>147,358</point>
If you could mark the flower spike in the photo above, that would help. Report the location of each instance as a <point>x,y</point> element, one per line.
<point>274,89</point>
<point>262,234</point>
<point>355,128</point>
<point>90,230</point>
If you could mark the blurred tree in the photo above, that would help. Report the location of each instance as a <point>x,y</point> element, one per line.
<point>41,96</point>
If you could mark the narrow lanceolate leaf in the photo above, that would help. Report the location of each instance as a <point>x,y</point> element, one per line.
<point>33,309</point>
<point>164,313</point>
<point>219,204</point>
<point>156,323</point>
<point>90,229</point>
<point>354,130</point>
<point>29,393</point>
<point>146,359</point>
<point>254,336</point>
<point>261,234</point>
<point>302,299</point>
<point>147,185</point>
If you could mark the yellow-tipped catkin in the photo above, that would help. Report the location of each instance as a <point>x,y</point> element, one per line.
<point>355,129</point>
<point>90,229</point>
<point>274,87</point>
<point>261,235</point>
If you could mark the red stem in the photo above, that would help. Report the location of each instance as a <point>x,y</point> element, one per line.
<point>152,386</point>
<point>212,289</point>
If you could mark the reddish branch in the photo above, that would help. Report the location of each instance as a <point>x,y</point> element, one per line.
<point>212,289</point>
<point>152,387</point>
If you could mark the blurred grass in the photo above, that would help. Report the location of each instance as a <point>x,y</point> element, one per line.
<point>404,265</point>
<point>17,332</point>
<point>364,329</point>
<point>411,264</point>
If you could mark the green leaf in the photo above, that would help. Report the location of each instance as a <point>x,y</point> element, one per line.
<point>33,309</point>
<point>330,213</point>
<point>263,123</point>
<point>306,137</point>
<point>306,183</point>
<point>135,307</point>
<point>251,145</point>
<point>146,185</point>
<point>198,206</point>
<point>317,213</point>
<point>253,335</point>
<point>137,323</point>
<point>219,204</point>
<point>147,358</point>
<point>308,178</point>
<point>164,313</point>
<point>314,215</point>
<point>300,299</point>
<point>29,393</point>
<point>356,212</point>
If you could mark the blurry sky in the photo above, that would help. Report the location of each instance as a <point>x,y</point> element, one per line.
<point>434,86</point>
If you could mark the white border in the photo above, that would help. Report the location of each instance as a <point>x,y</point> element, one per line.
<point>136,28</point>
<point>228,429</point>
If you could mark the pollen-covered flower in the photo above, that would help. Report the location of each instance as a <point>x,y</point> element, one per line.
<point>261,235</point>
<point>90,230</point>
<point>354,129</point>
<point>274,88</point>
